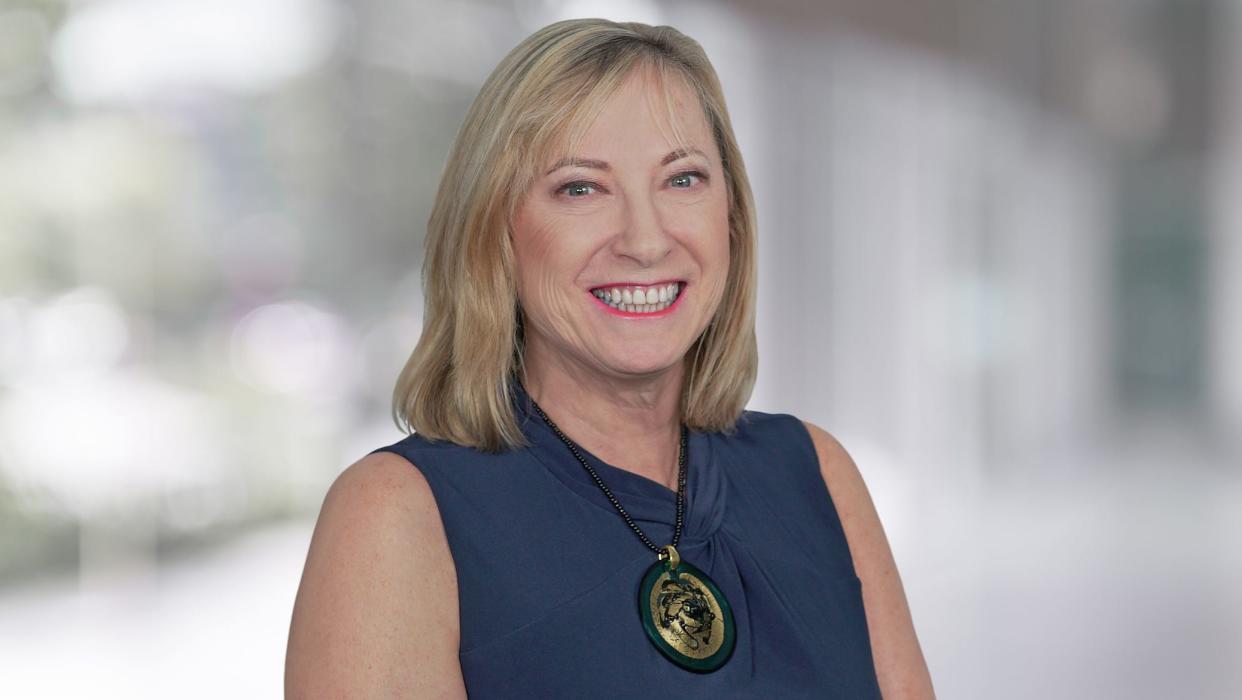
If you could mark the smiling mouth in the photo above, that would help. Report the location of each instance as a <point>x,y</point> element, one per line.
<point>639,300</point>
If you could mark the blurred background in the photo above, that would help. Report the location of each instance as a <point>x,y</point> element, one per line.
<point>1001,259</point>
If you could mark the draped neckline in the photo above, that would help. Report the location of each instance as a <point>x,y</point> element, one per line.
<point>643,498</point>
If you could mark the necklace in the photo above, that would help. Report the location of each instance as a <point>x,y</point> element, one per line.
<point>683,613</point>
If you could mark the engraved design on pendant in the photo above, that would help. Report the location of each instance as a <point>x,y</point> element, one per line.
<point>686,617</point>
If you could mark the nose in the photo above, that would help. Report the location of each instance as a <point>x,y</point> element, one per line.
<point>643,237</point>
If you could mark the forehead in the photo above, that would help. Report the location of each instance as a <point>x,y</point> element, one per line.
<point>647,103</point>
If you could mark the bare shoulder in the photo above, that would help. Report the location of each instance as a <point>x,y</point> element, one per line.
<point>868,544</point>
<point>376,612</point>
<point>836,465</point>
<point>899,663</point>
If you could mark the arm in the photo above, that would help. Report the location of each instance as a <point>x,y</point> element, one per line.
<point>899,663</point>
<point>376,612</point>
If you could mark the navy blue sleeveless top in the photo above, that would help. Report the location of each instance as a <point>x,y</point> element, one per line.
<point>548,572</point>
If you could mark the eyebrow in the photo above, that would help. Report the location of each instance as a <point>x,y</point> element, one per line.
<point>672,156</point>
<point>679,154</point>
<point>579,162</point>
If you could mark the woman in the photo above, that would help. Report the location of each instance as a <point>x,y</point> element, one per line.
<point>580,451</point>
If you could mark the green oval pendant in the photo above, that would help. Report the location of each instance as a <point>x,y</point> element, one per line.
<point>685,616</point>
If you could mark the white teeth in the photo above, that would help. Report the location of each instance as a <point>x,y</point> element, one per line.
<point>642,300</point>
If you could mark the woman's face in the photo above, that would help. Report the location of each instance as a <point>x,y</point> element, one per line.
<point>622,248</point>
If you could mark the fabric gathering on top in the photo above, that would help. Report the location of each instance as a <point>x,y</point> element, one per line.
<point>548,571</point>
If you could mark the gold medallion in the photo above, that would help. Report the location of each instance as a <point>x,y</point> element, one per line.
<point>685,616</point>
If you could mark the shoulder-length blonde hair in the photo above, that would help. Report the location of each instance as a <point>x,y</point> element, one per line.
<point>456,385</point>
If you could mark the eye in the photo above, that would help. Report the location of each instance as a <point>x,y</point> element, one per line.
<point>577,189</point>
<point>686,180</point>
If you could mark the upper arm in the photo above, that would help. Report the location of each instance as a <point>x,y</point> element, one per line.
<point>899,664</point>
<point>376,612</point>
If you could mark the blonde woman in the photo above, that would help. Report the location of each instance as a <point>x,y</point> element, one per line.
<point>583,507</point>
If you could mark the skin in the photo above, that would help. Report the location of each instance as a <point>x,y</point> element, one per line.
<point>380,587</point>
<point>379,590</point>
<point>614,383</point>
<point>899,664</point>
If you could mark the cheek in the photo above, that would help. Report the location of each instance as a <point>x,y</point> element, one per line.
<point>549,309</point>
<point>534,252</point>
<point>720,265</point>
<point>545,271</point>
<point>714,252</point>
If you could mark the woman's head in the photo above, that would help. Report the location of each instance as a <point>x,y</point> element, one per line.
<point>500,200</point>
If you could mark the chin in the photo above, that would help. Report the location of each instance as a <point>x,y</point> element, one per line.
<point>643,365</point>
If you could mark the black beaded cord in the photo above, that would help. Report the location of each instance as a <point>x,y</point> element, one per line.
<point>681,483</point>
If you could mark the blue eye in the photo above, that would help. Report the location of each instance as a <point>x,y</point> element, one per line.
<point>577,189</point>
<point>685,180</point>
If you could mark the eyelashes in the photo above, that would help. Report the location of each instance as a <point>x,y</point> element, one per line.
<point>578,189</point>
<point>685,175</point>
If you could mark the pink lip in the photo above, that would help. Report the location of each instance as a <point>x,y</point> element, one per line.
<point>634,314</point>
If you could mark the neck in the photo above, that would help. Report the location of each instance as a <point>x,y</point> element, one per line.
<point>633,423</point>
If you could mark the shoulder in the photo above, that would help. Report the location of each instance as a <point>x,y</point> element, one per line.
<point>835,464</point>
<point>384,479</point>
<point>440,459</point>
<point>787,432</point>
<point>778,428</point>
<point>864,533</point>
<point>780,443</point>
<point>382,499</point>
<point>899,662</point>
<point>378,589</point>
